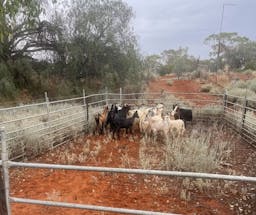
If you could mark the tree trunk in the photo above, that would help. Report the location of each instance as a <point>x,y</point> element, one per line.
<point>3,209</point>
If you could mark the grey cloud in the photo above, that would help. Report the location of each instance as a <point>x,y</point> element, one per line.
<point>167,24</point>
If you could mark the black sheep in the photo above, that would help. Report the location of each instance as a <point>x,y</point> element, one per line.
<point>182,113</point>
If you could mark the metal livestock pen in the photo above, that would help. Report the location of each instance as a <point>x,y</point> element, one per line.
<point>55,119</point>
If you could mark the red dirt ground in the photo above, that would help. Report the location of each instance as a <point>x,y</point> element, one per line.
<point>181,86</point>
<point>104,189</point>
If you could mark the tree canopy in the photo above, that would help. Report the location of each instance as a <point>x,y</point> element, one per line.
<point>85,44</point>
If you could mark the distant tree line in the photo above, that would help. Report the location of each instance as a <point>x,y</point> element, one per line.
<point>238,52</point>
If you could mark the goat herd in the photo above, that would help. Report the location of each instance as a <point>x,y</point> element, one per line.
<point>149,120</point>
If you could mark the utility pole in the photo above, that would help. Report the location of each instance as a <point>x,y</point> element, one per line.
<point>220,31</point>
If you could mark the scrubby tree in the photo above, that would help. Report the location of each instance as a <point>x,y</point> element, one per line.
<point>151,66</point>
<point>77,44</point>
<point>100,41</point>
<point>178,61</point>
<point>232,49</point>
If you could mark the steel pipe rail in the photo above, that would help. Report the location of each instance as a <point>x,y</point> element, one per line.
<point>248,137</point>
<point>249,128</point>
<point>249,131</point>
<point>236,104</point>
<point>55,131</point>
<point>23,106</point>
<point>50,126</point>
<point>24,118</point>
<point>199,100</point>
<point>251,109</point>
<point>65,100</point>
<point>239,97</point>
<point>65,109</point>
<point>134,171</point>
<point>43,124</point>
<point>97,102</point>
<point>87,207</point>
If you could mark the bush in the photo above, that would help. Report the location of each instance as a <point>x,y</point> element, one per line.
<point>196,153</point>
<point>195,74</point>
<point>239,84</point>
<point>241,92</point>
<point>7,88</point>
<point>206,88</point>
<point>248,72</point>
<point>170,82</point>
<point>252,85</point>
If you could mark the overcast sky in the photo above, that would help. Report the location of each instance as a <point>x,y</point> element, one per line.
<point>167,24</point>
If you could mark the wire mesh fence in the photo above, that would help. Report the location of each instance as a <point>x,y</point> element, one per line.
<point>34,128</point>
<point>240,114</point>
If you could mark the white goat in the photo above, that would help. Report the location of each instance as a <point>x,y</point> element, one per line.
<point>142,112</point>
<point>177,125</point>
<point>165,124</point>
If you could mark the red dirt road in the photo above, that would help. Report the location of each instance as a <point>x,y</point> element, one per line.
<point>182,86</point>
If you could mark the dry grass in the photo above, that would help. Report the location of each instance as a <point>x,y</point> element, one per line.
<point>208,110</point>
<point>196,153</point>
<point>36,134</point>
<point>203,149</point>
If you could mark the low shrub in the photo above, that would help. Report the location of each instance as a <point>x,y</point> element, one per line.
<point>195,74</point>
<point>239,84</point>
<point>170,82</point>
<point>206,88</point>
<point>239,94</point>
<point>252,85</point>
<point>197,153</point>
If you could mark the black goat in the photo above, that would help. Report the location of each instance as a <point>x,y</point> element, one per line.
<point>119,123</point>
<point>114,115</point>
<point>182,113</point>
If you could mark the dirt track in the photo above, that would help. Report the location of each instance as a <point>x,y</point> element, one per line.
<point>181,86</point>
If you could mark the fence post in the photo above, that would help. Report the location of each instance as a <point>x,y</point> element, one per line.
<point>5,208</point>
<point>106,96</point>
<point>245,104</point>
<point>87,111</point>
<point>84,97</point>
<point>47,105</point>
<point>86,108</point>
<point>225,101</point>
<point>121,95</point>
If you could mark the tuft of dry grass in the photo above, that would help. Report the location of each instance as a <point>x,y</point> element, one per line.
<point>197,152</point>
